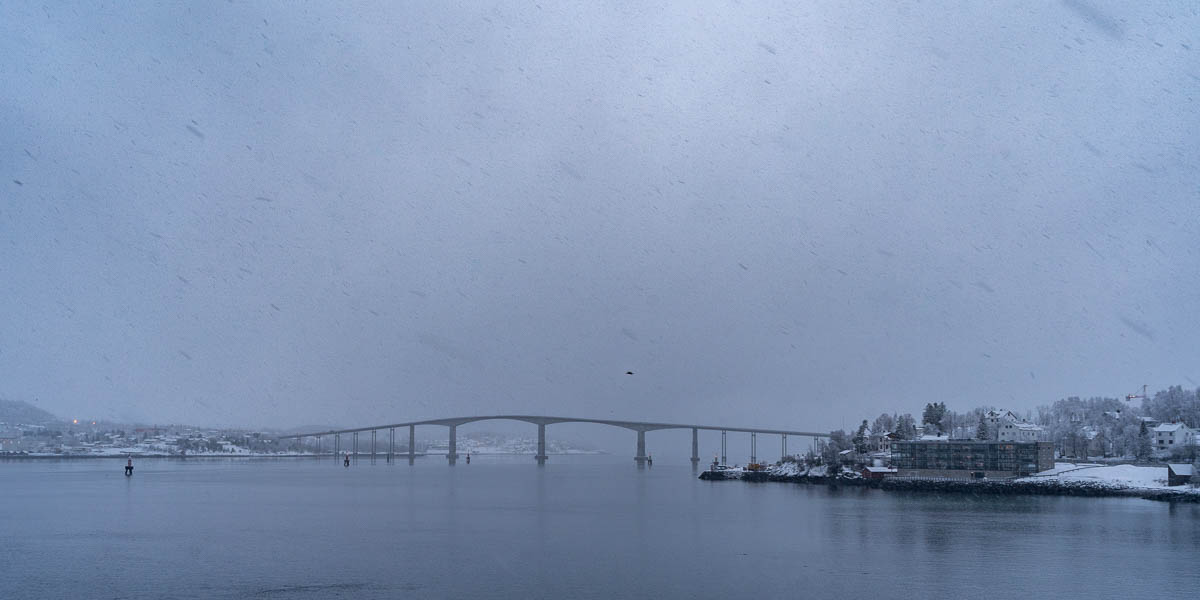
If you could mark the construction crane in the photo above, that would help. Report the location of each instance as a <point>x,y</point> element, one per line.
<point>1129,397</point>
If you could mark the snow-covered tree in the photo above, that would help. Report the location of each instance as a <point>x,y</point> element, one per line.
<point>981,430</point>
<point>906,427</point>
<point>934,415</point>
<point>884,423</point>
<point>860,438</point>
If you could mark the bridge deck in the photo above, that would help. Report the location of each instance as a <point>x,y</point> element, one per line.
<point>546,420</point>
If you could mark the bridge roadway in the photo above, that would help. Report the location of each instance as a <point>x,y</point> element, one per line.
<point>640,427</point>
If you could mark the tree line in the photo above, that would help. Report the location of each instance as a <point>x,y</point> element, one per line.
<point>1077,426</point>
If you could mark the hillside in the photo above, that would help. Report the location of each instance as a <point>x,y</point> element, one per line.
<point>16,411</point>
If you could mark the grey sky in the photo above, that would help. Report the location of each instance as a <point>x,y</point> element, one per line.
<point>792,214</point>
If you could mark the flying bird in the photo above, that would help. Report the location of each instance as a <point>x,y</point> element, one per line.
<point>629,372</point>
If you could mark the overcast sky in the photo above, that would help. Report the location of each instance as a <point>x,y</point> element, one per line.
<point>793,215</point>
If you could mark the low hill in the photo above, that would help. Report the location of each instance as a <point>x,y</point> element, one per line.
<point>17,411</point>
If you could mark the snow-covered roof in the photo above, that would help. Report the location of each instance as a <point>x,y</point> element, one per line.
<point>1181,469</point>
<point>935,438</point>
<point>1028,427</point>
<point>1168,427</point>
<point>885,469</point>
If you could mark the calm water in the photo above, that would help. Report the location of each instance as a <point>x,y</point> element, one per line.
<point>581,527</point>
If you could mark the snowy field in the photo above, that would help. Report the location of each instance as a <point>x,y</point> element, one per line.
<point>1115,476</point>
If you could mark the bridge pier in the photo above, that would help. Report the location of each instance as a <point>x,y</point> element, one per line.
<point>783,453</point>
<point>724,459</point>
<point>452,455</point>
<point>541,453</point>
<point>372,445</point>
<point>337,446</point>
<point>412,445</point>
<point>641,448</point>
<point>391,444</point>
<point>355,448</point>
<point>318,446</point>
<point>753,447</point>
<point>695,448</point>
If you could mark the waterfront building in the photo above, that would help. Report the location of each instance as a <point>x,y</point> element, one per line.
<point>974,459</point>
<point>877,472</point>
<point>1180,474</point>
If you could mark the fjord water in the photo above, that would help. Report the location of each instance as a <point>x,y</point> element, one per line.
<point>579,527</point>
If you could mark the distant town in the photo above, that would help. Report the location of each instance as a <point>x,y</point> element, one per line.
<point>1159,428</point>
<point>1137,428</point>
<point>1138,442</point>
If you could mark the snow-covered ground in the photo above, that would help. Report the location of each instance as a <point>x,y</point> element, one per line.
<point>1115,476</point>
<point>789,469</point>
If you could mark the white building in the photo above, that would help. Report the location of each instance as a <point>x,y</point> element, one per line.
<point>1171,435</point>
<point>1006,426</point>
<point>1019,432</point>
<point>996,419</point>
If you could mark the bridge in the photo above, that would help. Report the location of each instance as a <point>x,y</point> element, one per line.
<point>640,427</point>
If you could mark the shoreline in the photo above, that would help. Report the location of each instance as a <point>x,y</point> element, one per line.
<point>382,455</point>
<point>976,488</point>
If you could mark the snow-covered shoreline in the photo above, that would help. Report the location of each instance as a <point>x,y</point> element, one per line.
<point>1065,479</point>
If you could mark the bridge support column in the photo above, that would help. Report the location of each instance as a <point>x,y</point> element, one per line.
<point>372,444</point>
<point>641,448</point>
<point>753,447</point>
<point>337,446</point>
<point>412,443</point>
<point>452,455</point>
<point>695,448</point>
<point>318,445</point>
<point>724,459</point>
<point>355,448</point>
<point>783,454</point>
<point>391,444</point>
<point>541,453</point>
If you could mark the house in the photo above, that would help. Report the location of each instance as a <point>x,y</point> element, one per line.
<point>1176,474</point>
<point>996,419</point>
<point>877,472</point>
<point>1013,431</point>
<point>1097,442</point>
<point>1168,436</point>
<point>882,442</point>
